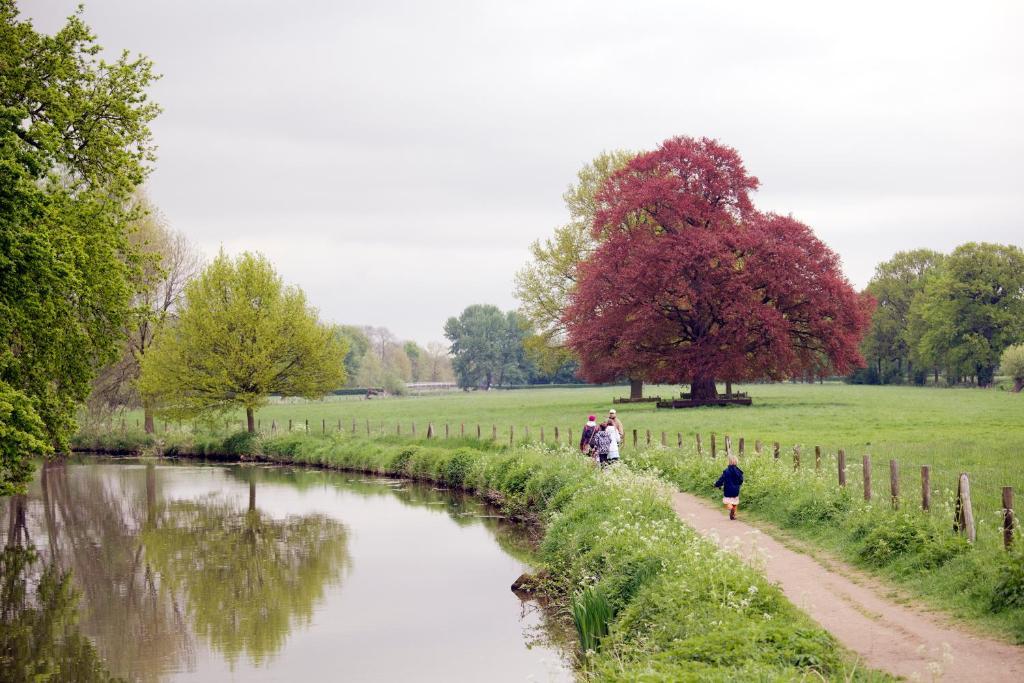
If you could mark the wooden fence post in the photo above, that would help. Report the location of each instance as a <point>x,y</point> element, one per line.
<point>741,446</point>
<point>817,458</point>
<point>728,445</point>
<point>430,430</point>
<point>926,488</point>
<point>273,426</point>
<point>367,427</point>
<point>398,429</point>
<point>526,433</point>
<point>445,430</point>
<point>462,429</point>
<point>307,425</point>
<point>867,478</point>
<point>353,426</point>
<point>648,437</point>
<point>414,430</point>
<point>556,433</point>
<point>289,424</point>
<point>700,448</point>
<point>894,483</point>
<point>323,426</point>
<point>511,435</point>
<point>714,446</point>
<point>1007,517</point>
<point>478,430</point>
<point>963,521</point>
<point>339,424</point>
<point>679,438</point>
<point>757,446</point>
<point>663,441</point>
<point>494,432</point>
<point>634,438</point>
<point>775,450</point>
<point>542,434</point>
<point>841,459</point>
<point>796,457</point>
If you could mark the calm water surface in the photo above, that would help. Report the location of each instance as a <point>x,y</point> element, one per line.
<point>158,571</point>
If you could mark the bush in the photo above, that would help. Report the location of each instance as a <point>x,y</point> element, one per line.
<point>1009,589</point>
<point>1011,364</point>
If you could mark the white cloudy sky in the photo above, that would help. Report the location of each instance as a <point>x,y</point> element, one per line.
<point>396,158</point>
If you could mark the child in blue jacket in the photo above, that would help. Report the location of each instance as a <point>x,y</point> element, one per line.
<point>730,482</point>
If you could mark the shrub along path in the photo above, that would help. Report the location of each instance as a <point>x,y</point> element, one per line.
<point>888,636</point>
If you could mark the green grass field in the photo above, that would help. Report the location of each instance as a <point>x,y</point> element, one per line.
<point>951,430</point>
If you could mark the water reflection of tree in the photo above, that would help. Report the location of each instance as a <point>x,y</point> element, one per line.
<point>92,531</point>
<point>247,579</point>
<point>39,635</point>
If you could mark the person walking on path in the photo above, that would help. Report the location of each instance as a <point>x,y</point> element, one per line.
<point>602,442</point>
<point>613,446</point>
<point>730,482</point>
<point>588,433</point>
<point>613,418</point>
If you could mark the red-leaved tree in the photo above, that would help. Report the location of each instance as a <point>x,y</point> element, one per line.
<point>693,285</point>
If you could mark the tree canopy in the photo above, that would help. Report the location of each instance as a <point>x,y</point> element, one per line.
<point>241,335</point>
<point>74,144</point>
<point>487,346</point>
<point>692,284</point>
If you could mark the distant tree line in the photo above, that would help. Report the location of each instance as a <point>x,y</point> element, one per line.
<point>377,358</point>
<point>944,316</point>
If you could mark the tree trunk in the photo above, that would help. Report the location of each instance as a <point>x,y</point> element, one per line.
<point>703,389</point>
<point>1018,384</point>
<point>150,423</point>
<point>252,496</point>
<point>250,418</point>
<point>636,388</point>
<point>728,387</point>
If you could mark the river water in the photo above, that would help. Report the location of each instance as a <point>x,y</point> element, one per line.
<point>165,571</point>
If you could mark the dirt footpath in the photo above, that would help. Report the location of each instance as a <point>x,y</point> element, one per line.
<point>887,636</point>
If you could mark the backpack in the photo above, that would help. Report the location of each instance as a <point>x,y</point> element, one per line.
<point>602,442</point>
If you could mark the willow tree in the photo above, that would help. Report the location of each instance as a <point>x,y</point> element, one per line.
<point>240,336</point>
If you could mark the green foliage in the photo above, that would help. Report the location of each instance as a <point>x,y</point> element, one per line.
<point>591,614</point>
<point>357,344</point>
<point>1009,588</point>
<point>973,310</point>
<point>74,143</point>
<point>241,335</point>
<point>1011,364</point>
<point>487,346</point>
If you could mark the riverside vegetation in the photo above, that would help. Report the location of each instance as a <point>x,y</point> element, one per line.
<point>653,600</point>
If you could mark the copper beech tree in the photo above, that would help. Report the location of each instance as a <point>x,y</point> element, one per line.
<point>692,284</point>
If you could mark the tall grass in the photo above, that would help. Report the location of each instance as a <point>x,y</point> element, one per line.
<point>591,614</point>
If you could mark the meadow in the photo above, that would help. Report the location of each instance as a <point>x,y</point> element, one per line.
<point>950,430</point>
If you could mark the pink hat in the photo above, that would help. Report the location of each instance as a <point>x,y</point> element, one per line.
<point>591,418</point>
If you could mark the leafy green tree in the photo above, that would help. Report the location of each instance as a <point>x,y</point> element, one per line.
<point>241,335</point>
<point>894,286</point>
<point>357,343</point>
<point>543,286</point>
<point>417,360</point>
<point>973,310</point>
<point>487,346</point>
<point>74,144</point>
<point>1011,364</point>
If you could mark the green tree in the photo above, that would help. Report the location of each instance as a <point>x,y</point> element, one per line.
<point>74,144</point>
<point>241,335</point>
<point>544,284</point>
<point>487,346</point>
<point>417,360</point>
<point>1011,364</point>
<point>894,286</point>
<point>167,262</point>
<point>357,343</point>
<point>973,310</point>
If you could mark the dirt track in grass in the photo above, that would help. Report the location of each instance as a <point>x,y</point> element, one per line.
<point>887,635</point>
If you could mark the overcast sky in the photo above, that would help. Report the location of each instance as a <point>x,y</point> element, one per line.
<point>395,159</point>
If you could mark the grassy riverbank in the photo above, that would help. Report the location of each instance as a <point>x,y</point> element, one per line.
<point>677,607</point>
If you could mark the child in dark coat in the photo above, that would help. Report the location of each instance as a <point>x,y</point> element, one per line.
<point>730,482</point>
